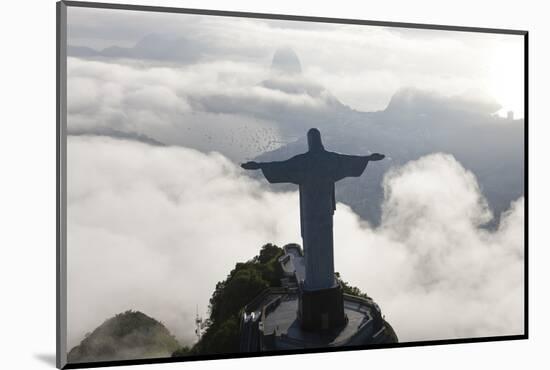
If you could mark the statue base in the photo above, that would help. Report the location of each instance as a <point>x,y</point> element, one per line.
<point>321,309</point>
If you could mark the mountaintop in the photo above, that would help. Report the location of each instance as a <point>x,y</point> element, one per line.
<point>134,335</point>
<point>128,335</point>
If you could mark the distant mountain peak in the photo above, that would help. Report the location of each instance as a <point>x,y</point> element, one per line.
<point>286,61</point>
<point>409,99</point>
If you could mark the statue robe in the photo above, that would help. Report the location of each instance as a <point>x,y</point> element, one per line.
<point>315,172</point>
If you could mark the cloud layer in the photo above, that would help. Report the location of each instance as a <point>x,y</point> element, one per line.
<point>203,107</point>
<point>154,228</point>
<point>434,271</point>
<point>362,65</point>
<point>244,109</point>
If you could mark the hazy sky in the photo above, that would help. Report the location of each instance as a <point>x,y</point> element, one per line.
<point>141,214</point>
<point>362,65</point>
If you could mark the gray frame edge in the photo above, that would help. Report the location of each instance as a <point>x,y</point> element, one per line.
<point>61,166</point>
<point>61,181</point>
<point>288,17</point>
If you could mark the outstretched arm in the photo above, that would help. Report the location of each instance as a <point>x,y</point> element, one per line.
<point>290,170</point>
<point>353,165</point>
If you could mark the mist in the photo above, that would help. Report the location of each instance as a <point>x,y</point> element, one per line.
<point>247,111</point>
<point>362,65</point>
<point>153,228</point>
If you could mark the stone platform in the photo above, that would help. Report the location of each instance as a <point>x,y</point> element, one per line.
<point>272,320</point>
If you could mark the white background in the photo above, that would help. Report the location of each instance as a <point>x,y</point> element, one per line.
<point>27,196</point>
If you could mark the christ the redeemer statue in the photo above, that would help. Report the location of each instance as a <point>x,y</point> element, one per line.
<point>315,172</point>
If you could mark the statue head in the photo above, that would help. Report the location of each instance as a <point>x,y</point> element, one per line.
<point>314,140</point>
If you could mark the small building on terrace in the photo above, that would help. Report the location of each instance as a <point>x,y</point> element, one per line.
<point>290,317</point>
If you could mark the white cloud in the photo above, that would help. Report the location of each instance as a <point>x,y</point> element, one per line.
<point>154,228</point>
<point>155,101</point>
<point>436,273</point>
<point>362,65</point>
<point>146,230</point>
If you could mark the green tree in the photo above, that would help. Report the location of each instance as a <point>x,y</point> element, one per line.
<point>349,289</point>
<point>243,284</point>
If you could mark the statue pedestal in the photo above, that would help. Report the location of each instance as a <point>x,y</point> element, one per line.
<point>321,309</point>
